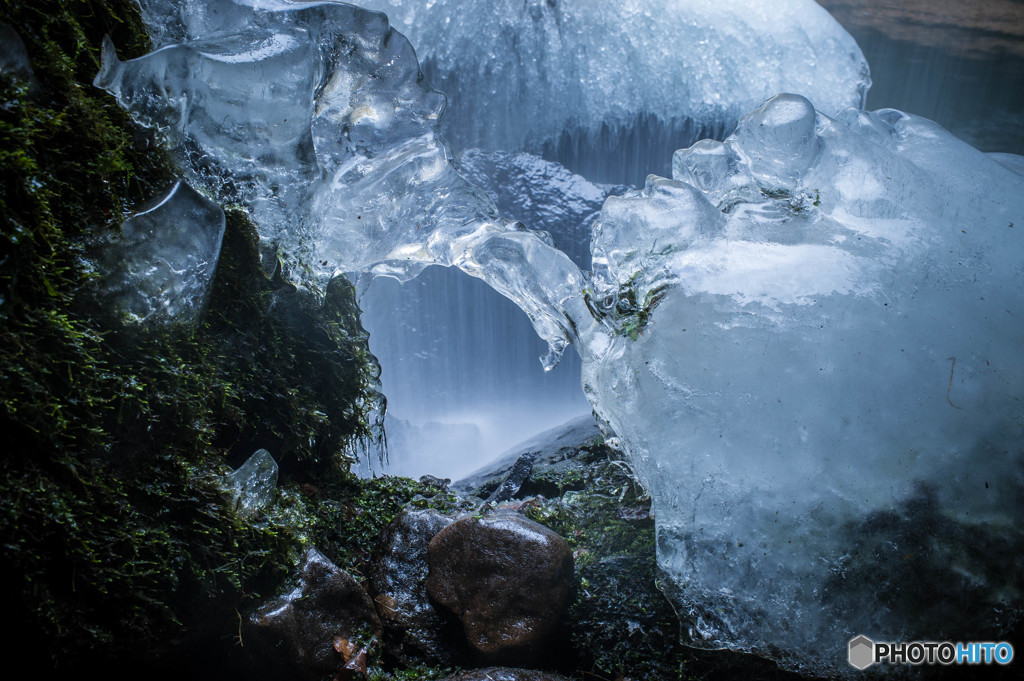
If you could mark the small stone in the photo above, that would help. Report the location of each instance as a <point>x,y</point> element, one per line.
<point>512,483</point>
<point>307,632</point>
<point>505,577</point>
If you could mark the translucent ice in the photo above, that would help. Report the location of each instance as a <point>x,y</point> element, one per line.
<point>521,73</point>
<point>160,266</point>
<point>317,116</point>
<point>541,194</point>
<point>453,350</point>
<point>817,370</point>
<point>253,484</point>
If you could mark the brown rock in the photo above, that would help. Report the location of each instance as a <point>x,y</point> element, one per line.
<point>307,633</point>
<point>505,577</point>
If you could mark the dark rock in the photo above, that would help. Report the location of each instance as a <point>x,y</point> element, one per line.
<point>505,674</point>
<point>514,479</point>
<point>506,578</point>
<point>555,457</point>
<point>413,628</point>
<point>302,632</point>
<point>435,482</point>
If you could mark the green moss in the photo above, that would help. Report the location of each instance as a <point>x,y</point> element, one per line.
<point>116,539</point>
<point>349,516</point>
<point>620,624</point>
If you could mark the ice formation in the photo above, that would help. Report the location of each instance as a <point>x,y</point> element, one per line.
<point>817,373</point>
<point>160,266</point>
<point>317,116</point>
<point>253,484</point>
<point>520,73</point>
<point>807,341</point>
<point>14,59</point>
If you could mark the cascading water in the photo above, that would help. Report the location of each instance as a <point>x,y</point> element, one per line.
<point>806,341</point>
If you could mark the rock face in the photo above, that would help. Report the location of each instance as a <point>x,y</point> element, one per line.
<point>413,628</point>
<point>307,631</point>
<point>506,674</point>
<point>505,577</point>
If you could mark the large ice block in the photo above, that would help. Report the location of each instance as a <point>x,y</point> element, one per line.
<point>316,115</point>
<point>817,369</point>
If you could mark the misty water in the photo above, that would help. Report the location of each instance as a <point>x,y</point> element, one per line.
<point>460,362</point>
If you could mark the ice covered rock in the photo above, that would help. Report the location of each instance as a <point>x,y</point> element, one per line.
<point>520,73</point>
<point>160,266</point>
<point>253,484</point>
<point>816,369</point>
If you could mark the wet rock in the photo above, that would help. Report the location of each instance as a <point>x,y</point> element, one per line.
<point>506,674</point>
<point>557,457</point>
<point>506,578</point>
<point>514,479</point>
<point>414,630</point>
<point>306,633</point>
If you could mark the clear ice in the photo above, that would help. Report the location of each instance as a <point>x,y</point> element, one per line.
<point>253,484</point>
<point>807,341</point>
<point>159,268</point>
<point>317,116</point>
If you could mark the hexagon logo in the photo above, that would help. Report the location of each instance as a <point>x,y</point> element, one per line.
<point>862,652</point>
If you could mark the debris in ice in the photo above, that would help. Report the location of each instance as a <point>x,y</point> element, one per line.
<point>815,366</point>
<point>159,268</point>
<point>519,74</point>
<point>253,484</point>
